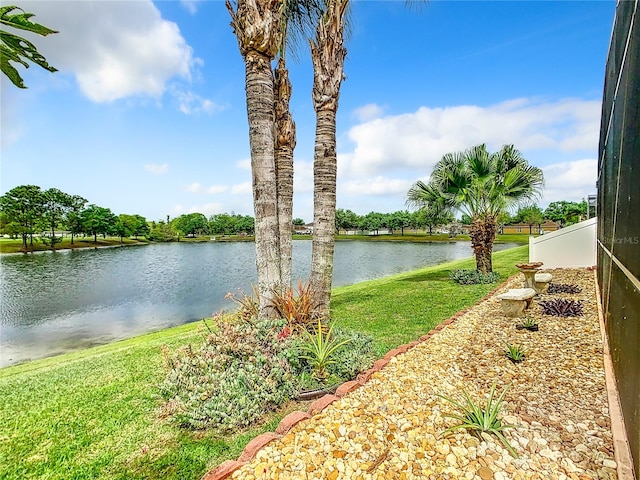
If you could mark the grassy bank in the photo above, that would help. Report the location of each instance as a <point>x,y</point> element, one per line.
<point>94,413</point>
<point>10,245</point>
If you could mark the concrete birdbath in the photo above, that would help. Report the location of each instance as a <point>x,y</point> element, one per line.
<point>529,271</point>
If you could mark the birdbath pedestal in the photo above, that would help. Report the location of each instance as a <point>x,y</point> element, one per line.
<point>529,271</point>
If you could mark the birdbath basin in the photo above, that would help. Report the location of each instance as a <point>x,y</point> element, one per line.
<point>529,271</point>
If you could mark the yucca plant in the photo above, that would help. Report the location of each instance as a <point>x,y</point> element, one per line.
<point>529,323</point>
<point>480,419</point>
<point>515,353</point>
<point>319,349</point>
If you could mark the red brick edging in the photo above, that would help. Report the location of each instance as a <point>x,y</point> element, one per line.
<point>226,469</point>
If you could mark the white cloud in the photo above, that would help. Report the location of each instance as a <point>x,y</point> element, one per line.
<point>190,103</point>
<point>571,181</point>
<point>114,49</point>
<point>242,189</point>
<point>190,5</point>
<point>157,169</point>
<point>377,186</point>
<point>419,139</point>
<point>207,209</point>
<point>303,176</point>
<point>212,190</point>
<point>368,112</point>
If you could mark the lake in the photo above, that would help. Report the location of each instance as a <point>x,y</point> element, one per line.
<point>54,302</point>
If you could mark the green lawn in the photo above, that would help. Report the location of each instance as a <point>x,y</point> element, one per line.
<point>9,245</point>
<point>94,413</point>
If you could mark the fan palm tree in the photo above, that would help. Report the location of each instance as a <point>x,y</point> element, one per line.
<point>481,185</point>
<point>327,55</point>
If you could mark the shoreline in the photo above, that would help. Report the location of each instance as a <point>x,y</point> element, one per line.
<point>10,249</point>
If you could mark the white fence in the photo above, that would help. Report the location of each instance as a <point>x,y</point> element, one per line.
<point>569,247</point>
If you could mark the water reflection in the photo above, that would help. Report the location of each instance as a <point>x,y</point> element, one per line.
<point>54,302</point>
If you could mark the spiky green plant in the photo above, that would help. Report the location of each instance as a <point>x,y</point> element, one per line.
<point>529,323</point>
<point>478,419</point>
<point>319,349</point>
<point>515,353</point>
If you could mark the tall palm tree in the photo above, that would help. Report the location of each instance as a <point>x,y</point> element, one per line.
<point>327,54</point>
<point>257,26</point>
<point>285,143</point>
<point>482,185</point>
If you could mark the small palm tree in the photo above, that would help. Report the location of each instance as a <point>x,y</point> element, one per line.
<point>481,185</point>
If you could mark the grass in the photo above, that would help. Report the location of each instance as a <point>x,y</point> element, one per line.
<point>94,413</point>
<point>9,245</point>
<point>426,238</point>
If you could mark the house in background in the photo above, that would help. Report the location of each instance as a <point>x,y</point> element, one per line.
<point>526,229</point>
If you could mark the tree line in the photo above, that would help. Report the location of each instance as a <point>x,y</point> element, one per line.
<point>27,211</point>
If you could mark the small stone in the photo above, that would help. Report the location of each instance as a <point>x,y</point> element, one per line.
<point>485,473</point>
<point>610,464</point>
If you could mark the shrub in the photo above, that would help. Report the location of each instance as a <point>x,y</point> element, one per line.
<point>242,371</point>
<point>473,277</point>
<point>297,308</point>
<point>561,307</point>
<point>563,288</point>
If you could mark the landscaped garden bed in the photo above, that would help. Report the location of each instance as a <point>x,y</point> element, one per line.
<point>554,411</point>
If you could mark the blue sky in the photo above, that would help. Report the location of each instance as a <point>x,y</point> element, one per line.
<point>147,112</point>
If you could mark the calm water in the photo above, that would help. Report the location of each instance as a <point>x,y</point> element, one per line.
<point>51,303</point>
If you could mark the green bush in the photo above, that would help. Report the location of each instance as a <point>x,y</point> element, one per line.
<point>473,277</point>
<point>241,372</point>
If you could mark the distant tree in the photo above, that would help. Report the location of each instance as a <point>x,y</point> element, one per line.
<point>372,222</point>
<point>298,222</point>
<point>191,224</point>
<point>434,216</point>
<point>55,207</point>
<point>245,224</point>
<point>465,219</point>
<point>346,220</point>
<point>504,218</point>
<point>399,220</point>
<point>130,225</point>
<point>17,49</point>
<point>161,231</point>
<point>566,213</point>
<point>23,206</point>
<point>74,218</point>
<point>530,215</point>
<point>97,221</point>
<point>141,227</point>
<point>7,227</point>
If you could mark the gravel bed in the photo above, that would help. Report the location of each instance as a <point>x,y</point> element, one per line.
<point>391,427</point>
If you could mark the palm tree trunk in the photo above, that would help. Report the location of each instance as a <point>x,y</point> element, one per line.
<point>483,234</point>
<point>285,143</point>
<point>327,55</point>
<point>324,208</point>
<point>260,108</point>
<point>256,24</point>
